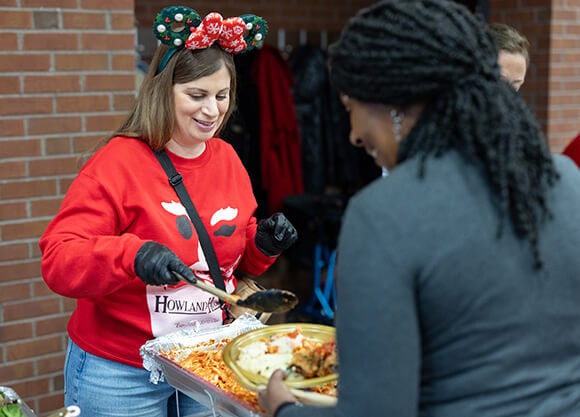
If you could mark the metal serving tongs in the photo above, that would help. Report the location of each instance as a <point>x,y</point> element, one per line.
<point>267,301</point>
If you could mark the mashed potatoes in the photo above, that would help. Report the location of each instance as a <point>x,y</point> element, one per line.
<point>264,357</point>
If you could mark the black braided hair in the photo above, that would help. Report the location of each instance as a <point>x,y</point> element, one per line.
<point>402,52</point>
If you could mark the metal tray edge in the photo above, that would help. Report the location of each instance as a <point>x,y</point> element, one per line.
<point>12,395</point>
<point>226,404</point>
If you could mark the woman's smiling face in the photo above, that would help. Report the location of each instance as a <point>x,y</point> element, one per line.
<point>379,128</point>
<point>371,127</point>
<point>200,108</point>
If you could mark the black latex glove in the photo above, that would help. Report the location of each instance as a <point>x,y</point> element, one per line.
<point>275,234</point>
<point>154,263</point>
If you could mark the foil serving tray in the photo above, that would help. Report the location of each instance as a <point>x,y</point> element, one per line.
<point>222,403</point>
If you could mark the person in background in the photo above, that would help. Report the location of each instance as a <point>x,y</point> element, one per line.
<point>122,231</point>
<point>457,274</point>
<point>513,53</point>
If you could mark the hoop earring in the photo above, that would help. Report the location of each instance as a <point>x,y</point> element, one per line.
<point>397,123</point>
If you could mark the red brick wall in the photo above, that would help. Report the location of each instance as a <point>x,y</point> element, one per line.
<point>552,88</point>
<point>66,78</point>
<point>311,16</point>
<point>564,64</point>
<point>296,14</point>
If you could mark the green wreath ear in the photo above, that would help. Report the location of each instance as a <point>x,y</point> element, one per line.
<point>175,15</point>
<point>256,30</point>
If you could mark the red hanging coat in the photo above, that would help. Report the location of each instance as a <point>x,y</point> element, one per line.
<point>281,166</point>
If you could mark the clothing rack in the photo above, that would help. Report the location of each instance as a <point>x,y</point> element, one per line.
<point>287,40</point>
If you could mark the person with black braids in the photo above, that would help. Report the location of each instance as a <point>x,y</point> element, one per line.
<point>458,273</point>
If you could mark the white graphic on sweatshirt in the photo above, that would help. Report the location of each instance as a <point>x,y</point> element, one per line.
<point>226,214</point>
<point>172,309</point>
<point>201,270</point>
<point>174,207</point>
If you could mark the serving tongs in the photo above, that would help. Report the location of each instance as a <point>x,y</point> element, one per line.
<point>267,301</point>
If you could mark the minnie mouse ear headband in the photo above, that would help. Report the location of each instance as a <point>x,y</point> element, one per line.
<point>179,26</point>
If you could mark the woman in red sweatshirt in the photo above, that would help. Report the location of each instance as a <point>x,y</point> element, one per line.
<point>122,230</point>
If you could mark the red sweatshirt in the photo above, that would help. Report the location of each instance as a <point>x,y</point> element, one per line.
<point>121,199</point>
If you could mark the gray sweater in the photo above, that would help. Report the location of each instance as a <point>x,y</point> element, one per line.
<point>438,317</point>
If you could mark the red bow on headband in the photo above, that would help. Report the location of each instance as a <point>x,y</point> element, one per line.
<point>229,33</point>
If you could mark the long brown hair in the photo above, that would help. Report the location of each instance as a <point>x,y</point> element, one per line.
<point>152,118</point>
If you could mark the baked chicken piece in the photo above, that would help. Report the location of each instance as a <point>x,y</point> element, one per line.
<point>314,359</point>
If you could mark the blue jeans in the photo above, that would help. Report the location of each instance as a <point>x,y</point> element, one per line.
<point>104,388</point>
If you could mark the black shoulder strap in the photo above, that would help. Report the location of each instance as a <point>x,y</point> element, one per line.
<point>176,181</point>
